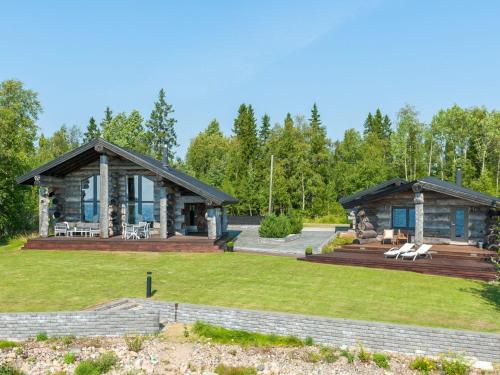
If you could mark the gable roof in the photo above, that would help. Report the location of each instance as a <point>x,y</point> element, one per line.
<point>86,153</point>
<point>428,183</point>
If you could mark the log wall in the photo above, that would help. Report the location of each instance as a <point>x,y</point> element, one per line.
<point>437,213</point>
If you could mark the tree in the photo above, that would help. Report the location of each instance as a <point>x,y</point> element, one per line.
<point>161,128</point>
<point>19,111</point>
<point>92,131</point>
<point>108,117</point>
<point>63,140</point>
<point>265,129</point>
<point>127,131</point>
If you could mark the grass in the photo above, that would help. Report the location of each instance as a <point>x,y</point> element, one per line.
<point>231,336</point>
<point>71,280</point>
<point>7,344</point>
<point>222,369</point>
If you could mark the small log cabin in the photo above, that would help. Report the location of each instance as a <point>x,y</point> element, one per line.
<point>103,183</point>
<point>451,212</point>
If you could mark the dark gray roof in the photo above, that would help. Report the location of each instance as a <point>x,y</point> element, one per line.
<point>87,153</point>
<point>429,183</point>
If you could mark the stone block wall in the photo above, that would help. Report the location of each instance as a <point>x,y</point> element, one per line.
<point>21,326</point>
<point>374,336</point>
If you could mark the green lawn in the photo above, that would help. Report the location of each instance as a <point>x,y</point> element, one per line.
<point>71,280</point>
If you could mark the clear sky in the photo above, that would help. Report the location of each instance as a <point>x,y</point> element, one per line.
<point>281,56</point>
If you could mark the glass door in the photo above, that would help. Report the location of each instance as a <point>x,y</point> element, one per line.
<point>459,224</point>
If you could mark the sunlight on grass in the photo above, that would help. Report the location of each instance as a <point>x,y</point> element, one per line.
<point>35,280</point>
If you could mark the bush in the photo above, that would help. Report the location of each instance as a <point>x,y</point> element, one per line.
<point>68,340</point>
<point>134,343</point>
<point>328,354</point>
<point>69,358</point>
<point>346,353</point>
<point>230,336</point>
<point>9,370</point>
<point>381,360</point>
<point>222,369</point>
<point>98,366</point>
<point>309,250</point>
<point>454,365</point>
<point>423,364</point>
<point>363,355</point>
<point>7,344</point>
<point>309,341</point>
<point>42,336</point>
<point>296,224</point>
<point>335,243</point>
<point>273,226</point>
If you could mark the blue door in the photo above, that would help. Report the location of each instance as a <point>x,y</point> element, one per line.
<point>459,224</point>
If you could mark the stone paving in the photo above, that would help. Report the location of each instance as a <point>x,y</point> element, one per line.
<point>248,240</point>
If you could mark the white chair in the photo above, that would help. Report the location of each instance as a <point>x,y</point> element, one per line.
<point>388,235</point>
<point>129,232</point>
<point>143,229</point>
<point>94,230</point>
<point>397,251</point>
<point>61,229</point>
<point>421,251</point>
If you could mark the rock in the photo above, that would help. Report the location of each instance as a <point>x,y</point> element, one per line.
<point>483,365</point>
<point>260,367</point>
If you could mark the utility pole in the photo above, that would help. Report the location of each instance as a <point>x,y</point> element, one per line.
<point>271,185</point>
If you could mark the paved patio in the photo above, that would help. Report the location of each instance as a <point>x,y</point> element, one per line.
<point>248,240</point>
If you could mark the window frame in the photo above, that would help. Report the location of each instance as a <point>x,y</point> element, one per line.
<point>94,185</point>
<point>407,217</point>
<point>138,201</point>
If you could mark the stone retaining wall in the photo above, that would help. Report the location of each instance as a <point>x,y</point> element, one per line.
<point>375,336</point>
<point>20,326</point>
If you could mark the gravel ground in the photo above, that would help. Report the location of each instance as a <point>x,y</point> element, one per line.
<point>172,353</point>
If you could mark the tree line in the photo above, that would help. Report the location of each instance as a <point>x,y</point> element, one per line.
<point>310,171</point>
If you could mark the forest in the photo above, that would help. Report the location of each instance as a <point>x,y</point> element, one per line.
<point>310,171</point>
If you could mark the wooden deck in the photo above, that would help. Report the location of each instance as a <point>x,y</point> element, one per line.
<point>190,243</point>
<point>447,260</point>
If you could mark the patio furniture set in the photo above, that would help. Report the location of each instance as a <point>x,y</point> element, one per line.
<point>80,229</point>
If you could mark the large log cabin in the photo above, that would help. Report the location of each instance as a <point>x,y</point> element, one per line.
<point>451,212</point>
<point>103,183</point>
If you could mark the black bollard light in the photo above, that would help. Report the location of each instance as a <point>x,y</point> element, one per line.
<point>148,285</point>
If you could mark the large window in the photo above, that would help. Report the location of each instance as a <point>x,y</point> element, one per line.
<point>403,218</point>
<point>90,199</point>
<point>140,192</point>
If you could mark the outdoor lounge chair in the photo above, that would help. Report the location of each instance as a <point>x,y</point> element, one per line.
<point>421,251</point>
<point>397,251</point>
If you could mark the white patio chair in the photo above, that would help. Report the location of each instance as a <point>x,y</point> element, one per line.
<point>421,251</point>
<point>397,251</point>
<point>94,230</point>
<point>388,235</point>
<point>129,232</point>
<point>143,229</point>
<point>61,229</point>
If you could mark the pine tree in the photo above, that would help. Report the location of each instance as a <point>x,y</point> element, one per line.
<point>108,117</point>
<point>92,131</point>
<point>265,128</point>
<point>160,128</point>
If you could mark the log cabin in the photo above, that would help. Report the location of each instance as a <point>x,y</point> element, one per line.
<point>448,212</point>
<point>102,183</point>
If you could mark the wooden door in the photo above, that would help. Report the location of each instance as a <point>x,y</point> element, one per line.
<point>459,224</point>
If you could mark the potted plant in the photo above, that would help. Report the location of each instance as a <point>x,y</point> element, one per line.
<point>230,246</point>
<point>309,251</point>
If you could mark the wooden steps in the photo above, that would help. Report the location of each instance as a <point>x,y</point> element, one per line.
<point>173,244</point>
<point>445,262</point>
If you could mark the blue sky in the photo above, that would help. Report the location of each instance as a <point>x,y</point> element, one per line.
<point>348,56</point>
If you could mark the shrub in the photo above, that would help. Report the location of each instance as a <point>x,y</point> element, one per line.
<point>381,360</point>
<point>134,343</point>
<point>454,365</point>
<point>363,355</point>
<point>9,370</point>
<point>68,340</point>
<point>309,250</point>
<point>222,369</point>
<point>42,336</point>
<point>7,344</point>
<point>296,224</point>
<point>273,226</point>
<point>336,242</point>
<point>423,364</point>
<point>69,358</point>
<point>229,336</point>
<point>309,341</point>
<point>98,366</point>
<point>346,353</point>
<point>328,354</point>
